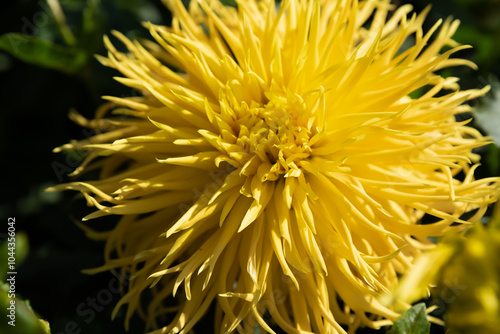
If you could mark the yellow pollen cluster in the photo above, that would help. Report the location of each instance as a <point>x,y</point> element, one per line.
<point>269,140</point>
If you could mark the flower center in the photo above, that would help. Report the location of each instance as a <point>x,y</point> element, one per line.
<point>275,135</point>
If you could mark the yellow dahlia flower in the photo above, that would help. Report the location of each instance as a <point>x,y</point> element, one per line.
<point>277,164</point>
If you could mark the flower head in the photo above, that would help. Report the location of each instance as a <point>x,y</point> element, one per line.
<point>279,163</point>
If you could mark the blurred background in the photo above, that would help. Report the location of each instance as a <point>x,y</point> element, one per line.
<point>47,68</point>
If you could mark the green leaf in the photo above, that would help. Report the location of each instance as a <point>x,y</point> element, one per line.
<point>92,17</point>
<point>493,159</point>
<point>92,26</point>
<point>230,3</point>
<point>19,311</point>
<point>37,51</point>
<point>413,321</point>
<point>483,43</point>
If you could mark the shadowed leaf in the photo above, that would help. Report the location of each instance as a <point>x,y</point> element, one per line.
<point>413,321</point>
<point>36,51</point>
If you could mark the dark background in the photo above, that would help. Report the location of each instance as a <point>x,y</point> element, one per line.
<point>34,104</point>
